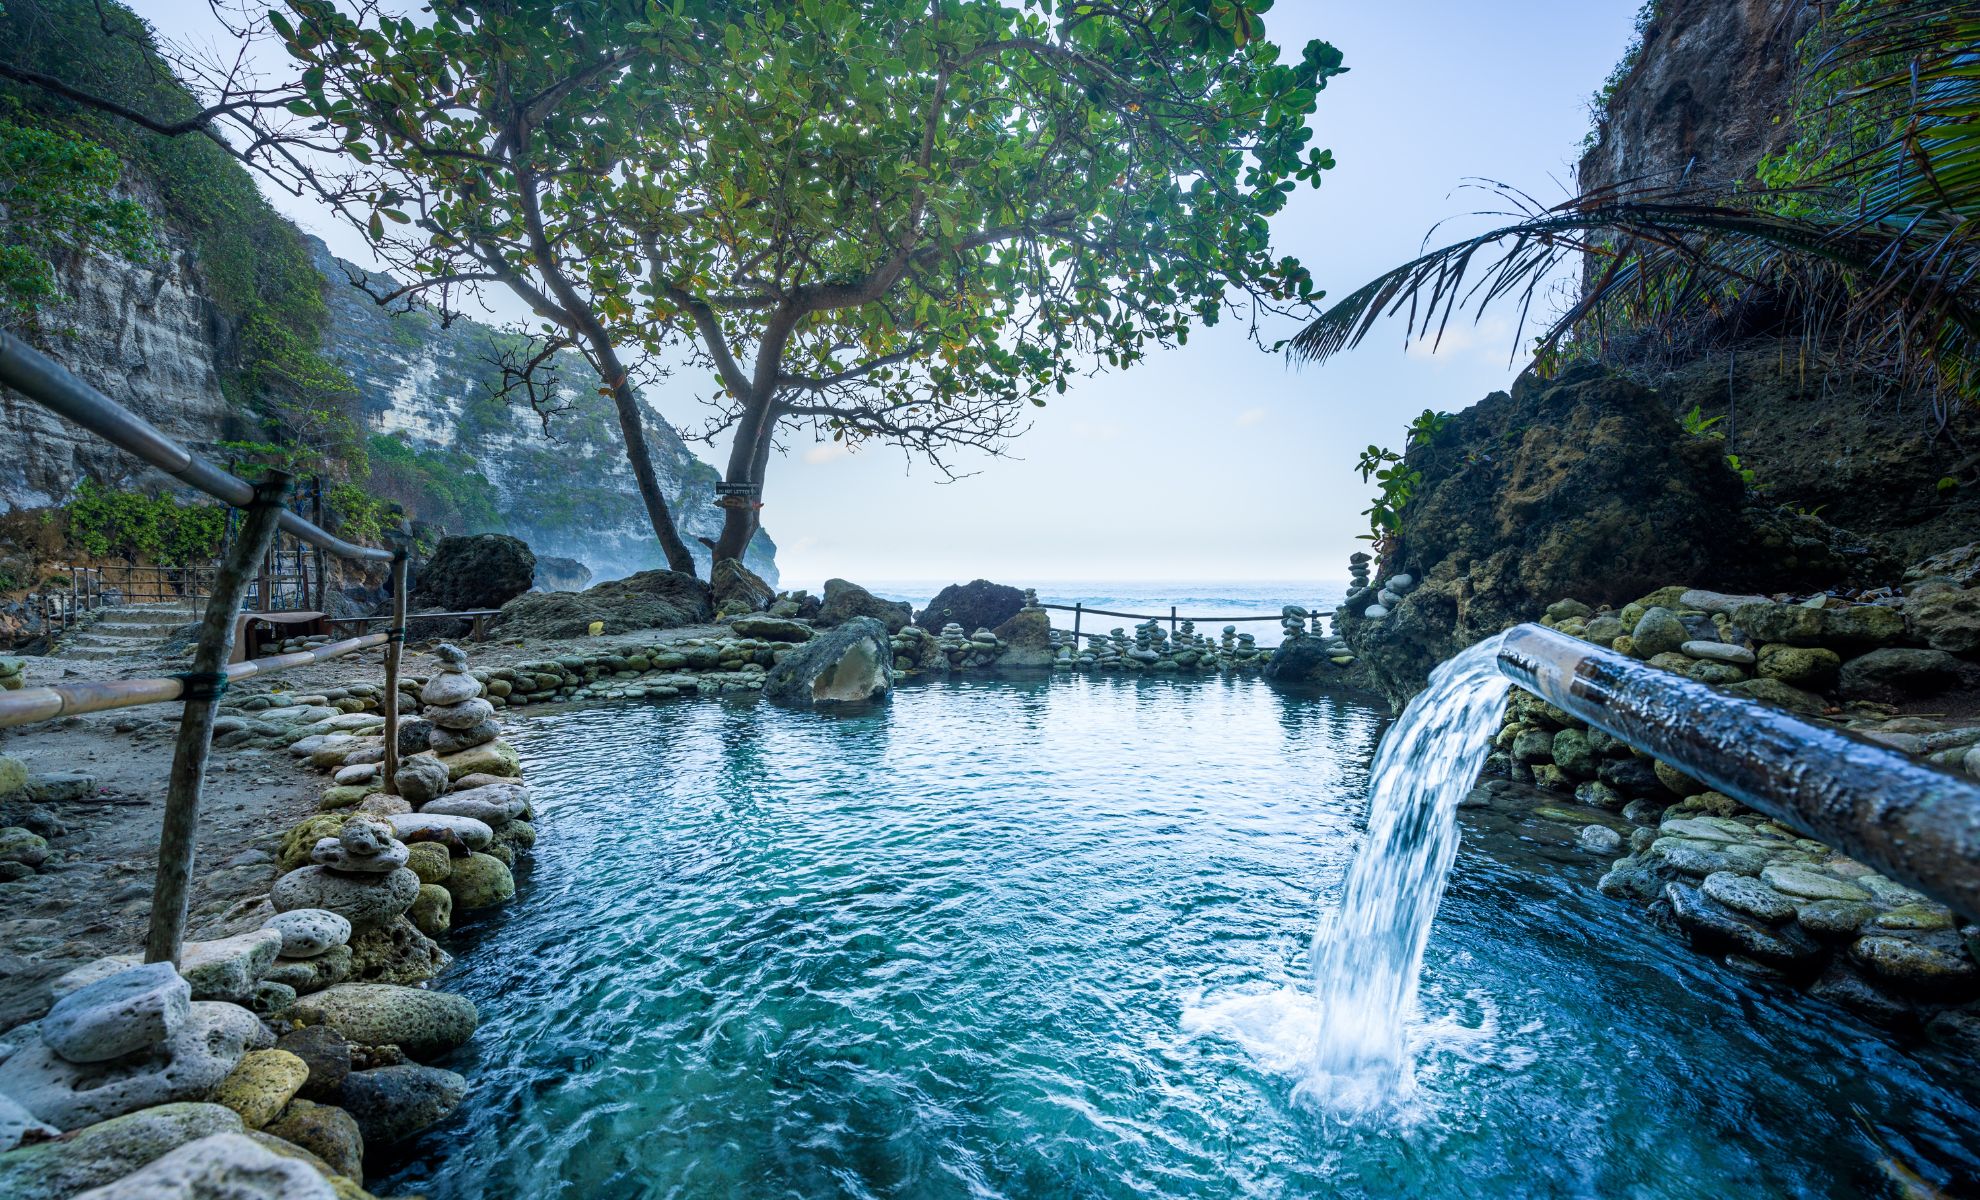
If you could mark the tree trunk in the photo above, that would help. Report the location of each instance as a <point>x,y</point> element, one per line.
<point>633,430</point>
<point>747,459</point>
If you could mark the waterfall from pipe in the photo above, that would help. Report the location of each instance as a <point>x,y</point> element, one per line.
<point>1347,1042</point>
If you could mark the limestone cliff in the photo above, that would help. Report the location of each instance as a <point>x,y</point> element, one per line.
<point>151,337</point>
<point>561,482</point>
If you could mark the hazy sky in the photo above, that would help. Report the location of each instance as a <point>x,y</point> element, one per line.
<point>1217,461</point>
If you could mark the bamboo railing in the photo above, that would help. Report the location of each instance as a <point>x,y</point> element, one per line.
<point>46,382</point>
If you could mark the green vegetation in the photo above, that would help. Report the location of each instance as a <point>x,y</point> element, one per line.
<point>920,220</point>
<point>253,265</point>
<point>58,193</point>
<point>157,529</point>
<point>1598,104</point>
<point>1397,480</point>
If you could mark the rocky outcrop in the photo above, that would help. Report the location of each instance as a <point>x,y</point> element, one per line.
<point>845,600</point>
<point>1700,100</point>
<point>1584,486</point>
<point>483,570</point>
<point>850,664</point>
<point>556,574</point>
<point>737,589</point>
<point>978,604</point>
<point>648,600</point>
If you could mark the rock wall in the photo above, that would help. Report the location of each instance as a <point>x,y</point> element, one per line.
<point>1702,94</point>
<point>1583,486</point>
<point>145,335</point>
<point>562,482</point>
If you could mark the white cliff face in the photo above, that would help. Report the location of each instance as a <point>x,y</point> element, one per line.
<point>148,337</point>
<point>562,483</point>
<point>143,335</point>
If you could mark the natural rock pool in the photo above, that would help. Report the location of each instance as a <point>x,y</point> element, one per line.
<point>945,947</point>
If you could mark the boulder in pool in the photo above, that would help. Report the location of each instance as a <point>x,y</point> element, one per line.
<point>852,663</point>
<point>978,604</point>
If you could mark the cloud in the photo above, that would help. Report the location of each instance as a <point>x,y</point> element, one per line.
<point>1252,416</point>
<point>825,452</point>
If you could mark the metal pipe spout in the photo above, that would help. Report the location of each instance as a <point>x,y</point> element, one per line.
<point>1913,822</point>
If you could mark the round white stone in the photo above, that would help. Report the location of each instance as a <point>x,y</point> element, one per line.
<point>309,932</point>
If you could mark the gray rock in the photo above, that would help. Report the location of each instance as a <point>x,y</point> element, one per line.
<point>18,1125</point>
<point>453,741</point>
<point>420,1022</point>
<point>470,833</point>
<point>368,900</point>
<point>1716,602</point>
<point>459,716</point>
<point>1714,927</point>
<point>391,1104</point>
<point>1810,885</point>
<point>771,629</point>
<point>1745,894</point>
<point>333,853</point>
<point>1658,631</point>
<point>421,777</point>
<point>851,663</point>
<point>222,969</point>
<point>845,601</point>
<point>494,805</point>
<point>109,1150</point>
<point>186,1067</point>
<point>226,1166</point>
<point>1724,652</point>
<point>449,688</point>
<point>309,932</point>
<point>1600,839</point>
<point>135,1009</point>
<point>1893,673</point>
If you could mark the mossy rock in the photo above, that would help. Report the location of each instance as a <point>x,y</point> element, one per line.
<point>491,758</point>
<point>430,861</point>
<point>261,1085</point>
<point>480,881</point>
<point>299,841</point>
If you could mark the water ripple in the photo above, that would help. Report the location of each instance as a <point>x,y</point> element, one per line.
<point>943,948</point>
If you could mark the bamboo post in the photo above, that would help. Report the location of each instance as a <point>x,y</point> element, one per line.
<point>322,578</point>
<point>203,686</point>
<point>395,645</point>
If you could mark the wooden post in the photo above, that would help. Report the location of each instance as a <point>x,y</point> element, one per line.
<point>1172,620</point>
<point>322,579</point>
<point>261,600</point>
<point>1077,606</point>
<point>394,647</point>
<point>204,684</point>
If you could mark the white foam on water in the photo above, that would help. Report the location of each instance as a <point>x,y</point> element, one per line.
<point>1351,1041</point>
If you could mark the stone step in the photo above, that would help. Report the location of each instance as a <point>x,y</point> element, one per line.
<point>132,628</point>
<point>113,642</point>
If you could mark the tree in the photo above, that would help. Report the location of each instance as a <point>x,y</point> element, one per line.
<point>895,221</point>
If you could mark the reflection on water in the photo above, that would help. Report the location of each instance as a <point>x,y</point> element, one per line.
<point>943,948</point>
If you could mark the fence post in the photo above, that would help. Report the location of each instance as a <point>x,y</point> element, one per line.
<point>1077,606</point>
<point>394,647</point>
<point>1172,620</point>
<point>322,579</point>
<point>203,686</point>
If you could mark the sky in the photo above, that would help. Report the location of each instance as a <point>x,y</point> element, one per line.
<point>1218,461</point>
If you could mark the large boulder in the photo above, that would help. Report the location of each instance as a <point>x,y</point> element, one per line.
<point>648,600</point>
<point>226,1166</point>
<point>186,1066</point>
<point>736,588</point>
<point>482,570</point>
<point>852,663</point>
<point>845,600</point>
<point>108,1150</point>
<point>1027,639</point>
<point>391,1104</point>
<point>979,604</point>
<point>1582,486</point>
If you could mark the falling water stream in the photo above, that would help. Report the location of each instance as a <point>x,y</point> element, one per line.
<point>1349,1037</point>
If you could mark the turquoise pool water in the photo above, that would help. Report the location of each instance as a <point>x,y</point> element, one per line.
<point>945,948</point>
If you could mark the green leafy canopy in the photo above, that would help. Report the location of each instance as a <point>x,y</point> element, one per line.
<point>891,220</point>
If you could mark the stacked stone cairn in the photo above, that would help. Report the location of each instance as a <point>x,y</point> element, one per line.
<point>1765,900</point>
<point>13,674</point>
<point>1153,649</point>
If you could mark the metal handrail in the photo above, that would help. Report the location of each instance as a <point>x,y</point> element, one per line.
<point>46,381</point>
